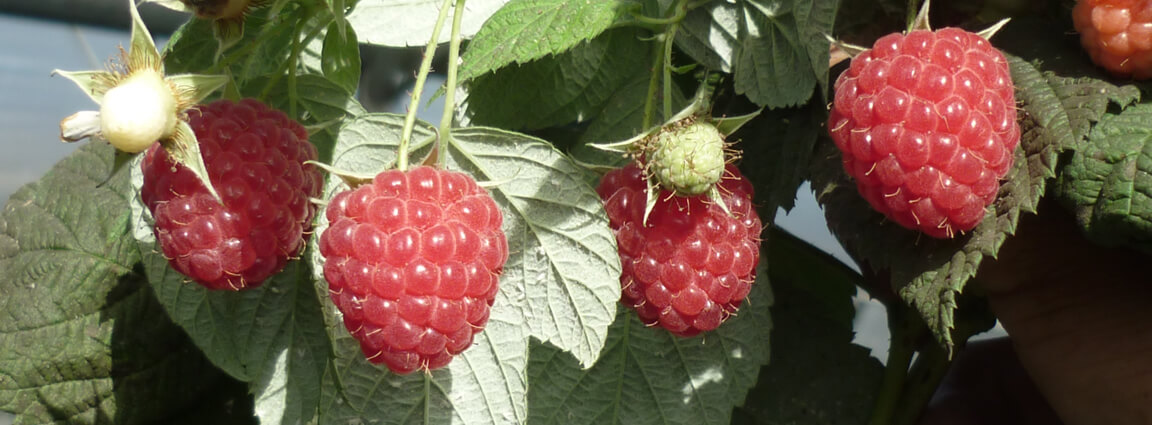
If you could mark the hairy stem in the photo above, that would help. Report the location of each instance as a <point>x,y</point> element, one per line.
<point>662,61</point>
<point>450,84</point>
<point>421,77</point>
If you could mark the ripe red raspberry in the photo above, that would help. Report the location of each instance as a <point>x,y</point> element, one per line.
<point>693,264</point>
<point>413,261</point>
<point>927,126</point>
<point>255,158</point>
<point>1117,35</point>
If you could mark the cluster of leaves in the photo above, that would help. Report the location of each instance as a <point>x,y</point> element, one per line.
<point>94,321</point>
<point>81,277</point>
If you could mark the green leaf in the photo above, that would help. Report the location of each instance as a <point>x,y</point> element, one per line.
<point>525,30</point>
<point>271,336</point>
<point>318,99</point>
<point>261,51</point>
<point>776,147</point>
<point>570,87</point>
<point>563,260</point>
<point>815,21</point>
<point>645,375</point>
<point>622,115</point>
<point>396,23</point>
<point>484,384</point>
<point>775,50</point>
<point>83,339</point>
<point>817,375</point>
<point>1107,183</point>
<point>929,273</point>
<point>340,58</point>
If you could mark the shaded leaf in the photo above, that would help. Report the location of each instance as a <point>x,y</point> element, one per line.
<point>776,148</point>
<point>340,57</point>
<point>817,375</point>
<point>262,49</point>
<point>525,30</point>
<point>645,375</point>
<point>82,339</point>
<point>1108,182</point>
<point>775,50</point>
<point>929,273</point>
<point>567,88</point>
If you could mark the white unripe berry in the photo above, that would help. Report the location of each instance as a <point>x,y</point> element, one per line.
<point>138,112</point>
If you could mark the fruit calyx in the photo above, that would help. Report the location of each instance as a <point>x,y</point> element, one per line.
<point>140,105</point>
<point>685,157</point>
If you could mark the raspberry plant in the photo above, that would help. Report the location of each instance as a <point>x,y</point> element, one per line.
<point>100,327</point>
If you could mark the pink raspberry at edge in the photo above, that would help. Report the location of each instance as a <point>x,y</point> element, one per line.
<point>255,159</point>
<point>926,123</point>
<point>1117,34</point>
<point>413,261</point>
<point>693,264</point>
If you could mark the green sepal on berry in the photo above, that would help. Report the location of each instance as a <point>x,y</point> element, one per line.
<point>140,106</point>
<point>227,16</point>
<point>686,157</point>
<point>687,154</point>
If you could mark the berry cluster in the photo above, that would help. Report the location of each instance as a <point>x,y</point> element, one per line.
<point>255,158</point>
<point>692,265</point>
<point>927,126</point>
<point>413,261</point>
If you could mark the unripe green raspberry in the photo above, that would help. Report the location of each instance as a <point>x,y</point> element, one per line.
<point>687,158</point>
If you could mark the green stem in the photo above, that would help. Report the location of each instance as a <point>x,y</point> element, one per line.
<point>653,83</point>
<point>289,67</point>
<point>662,61</point>
<point>421,77</point>
<point>277,23</point>
<point>923,380</point>
<point>292,61</point>
<point>899,356</point>
<point>450,85</point>
<point>247,48</point>
<point>913,10</point>
<point>669,40</point>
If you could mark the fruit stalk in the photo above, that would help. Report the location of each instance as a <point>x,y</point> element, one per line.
<point>921,383</point>
<point>896,369</point>
<point>418,88</point>
<point>681,8</point>
<point>453,63</point>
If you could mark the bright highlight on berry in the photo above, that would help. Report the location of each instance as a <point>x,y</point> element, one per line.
<point>926,123</point>
<point>692,265</point>
<point>413,261</point>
